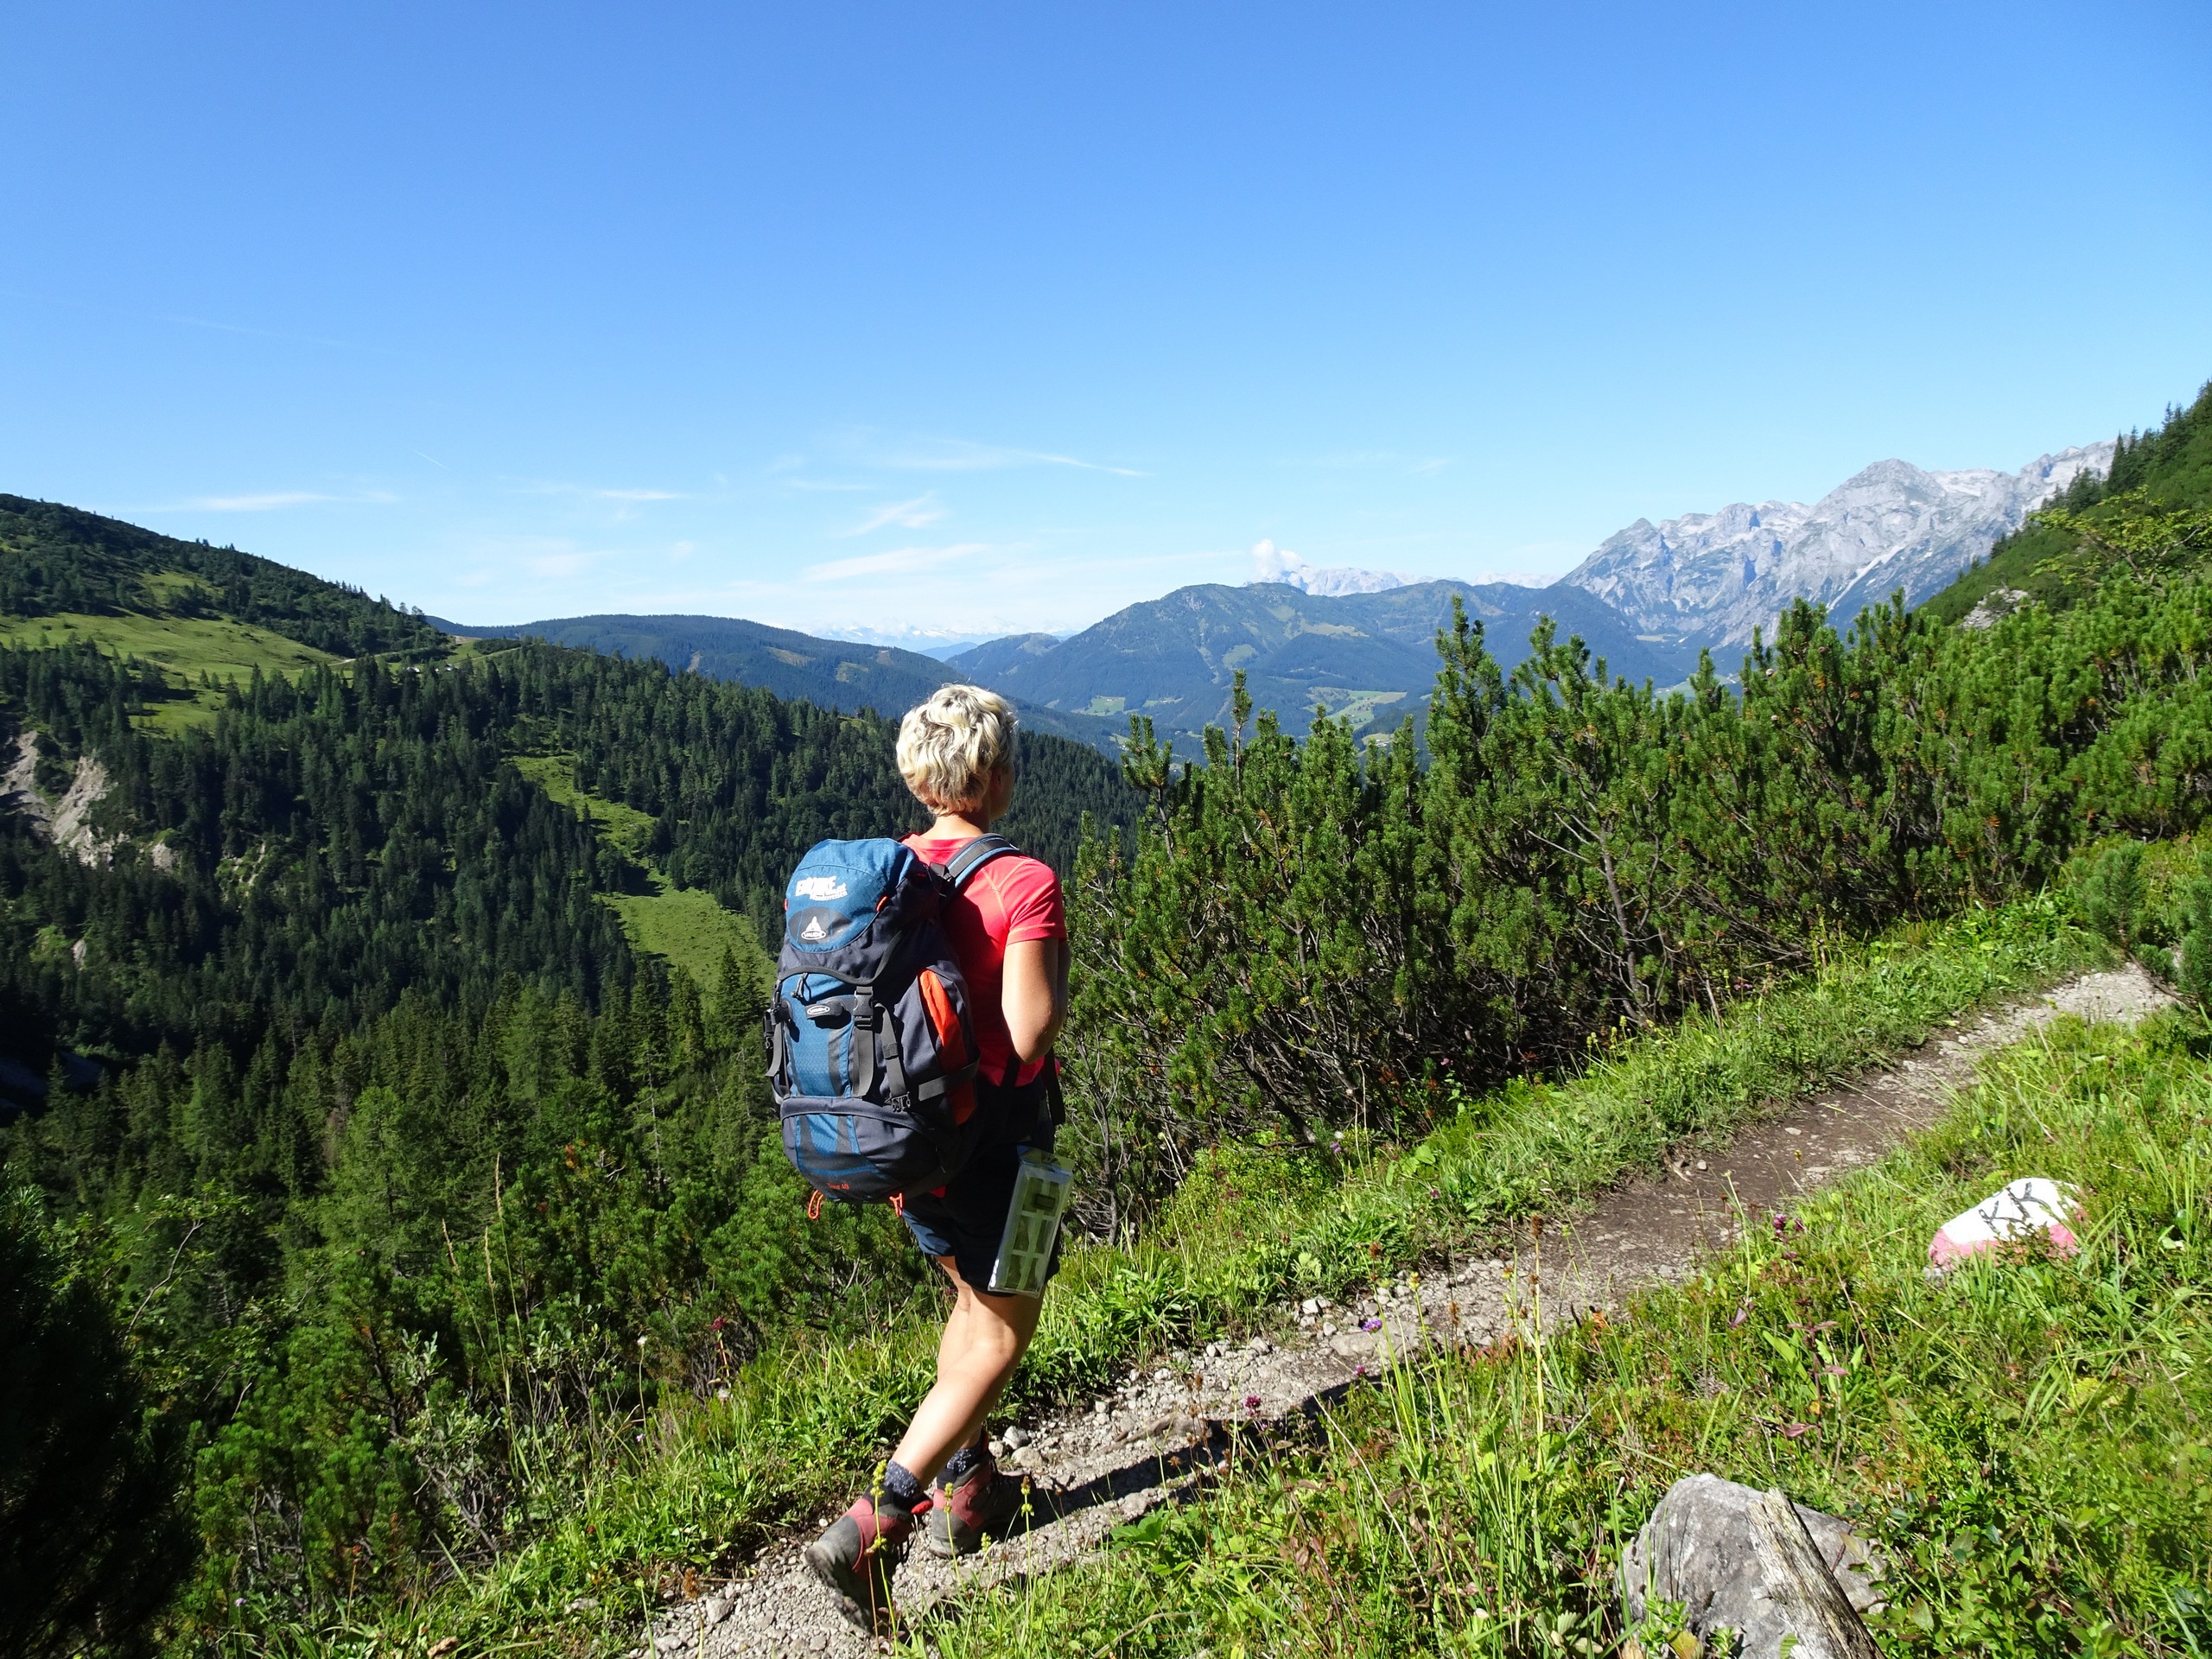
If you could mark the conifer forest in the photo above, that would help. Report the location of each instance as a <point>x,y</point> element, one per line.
<point>380,1184</point>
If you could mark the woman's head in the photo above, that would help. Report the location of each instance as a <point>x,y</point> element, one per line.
<point>951,747</point>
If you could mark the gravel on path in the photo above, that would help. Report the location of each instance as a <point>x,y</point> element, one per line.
<point>1164,1431</point>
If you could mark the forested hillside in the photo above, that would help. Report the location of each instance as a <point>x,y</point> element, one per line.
<point>1310,927</point>
<point>347,964</point>
<point>57,560</point>
<point>829,673</point>
<point>2150,515</point>
<point>1367,658</point>
<point>430,1208</point>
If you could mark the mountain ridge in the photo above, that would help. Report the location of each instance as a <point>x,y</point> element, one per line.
<point>1368,656</point>
<point>1712,579</point>
<point>841,674</point>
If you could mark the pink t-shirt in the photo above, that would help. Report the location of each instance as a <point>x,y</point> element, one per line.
<point>1013,898</point>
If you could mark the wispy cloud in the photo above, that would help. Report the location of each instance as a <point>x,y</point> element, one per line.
<point>191,322</point>
<point>268,503</point>
<point>898,561</point>
<point>589,492</point>
<point>922,510</point>
<point>961,455</point>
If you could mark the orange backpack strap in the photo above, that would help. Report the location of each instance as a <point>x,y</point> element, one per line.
<point>952,1043</point>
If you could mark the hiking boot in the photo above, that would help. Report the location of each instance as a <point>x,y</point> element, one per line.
<point>855,1558</point>
<point>983,1505</point>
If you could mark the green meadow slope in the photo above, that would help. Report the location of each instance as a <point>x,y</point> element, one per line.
<point>2150,517</point>
<point>448,1223</point>
<point>2025,1441</point>
<point>201,617</point>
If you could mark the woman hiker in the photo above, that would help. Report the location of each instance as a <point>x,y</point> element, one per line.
<point>1009,935</point>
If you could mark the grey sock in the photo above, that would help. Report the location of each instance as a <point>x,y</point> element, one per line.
<point>900,1489</point>
<point>964,1463</point>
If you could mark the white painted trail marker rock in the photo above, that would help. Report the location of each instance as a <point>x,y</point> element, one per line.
<point>2015,1213</point>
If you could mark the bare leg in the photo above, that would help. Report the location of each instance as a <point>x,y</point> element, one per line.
<point>984,1340</point>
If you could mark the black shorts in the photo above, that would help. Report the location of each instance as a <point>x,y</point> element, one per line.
<point>966,1219</point>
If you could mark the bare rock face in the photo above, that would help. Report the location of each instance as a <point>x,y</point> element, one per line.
<point>68,821</point>
<point>1712,578</point>
<point>1702,1547</point>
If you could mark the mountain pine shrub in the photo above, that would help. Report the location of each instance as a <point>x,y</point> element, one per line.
<point>92,1544</point>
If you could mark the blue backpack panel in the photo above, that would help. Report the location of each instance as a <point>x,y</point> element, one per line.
<point>871,1038</point>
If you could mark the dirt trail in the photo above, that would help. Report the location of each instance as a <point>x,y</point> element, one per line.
<point>1102,1463</point>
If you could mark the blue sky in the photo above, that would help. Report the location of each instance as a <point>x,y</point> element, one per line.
<point>986,318</point>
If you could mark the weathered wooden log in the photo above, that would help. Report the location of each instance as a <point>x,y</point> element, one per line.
<point>1803,1591</point>
<point>1700,1550</point>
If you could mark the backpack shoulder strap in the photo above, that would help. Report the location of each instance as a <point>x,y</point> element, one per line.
<point>976,854</point>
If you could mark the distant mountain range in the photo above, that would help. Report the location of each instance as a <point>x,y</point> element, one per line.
<point>1360,644</point>
<point>1368,656</point>
<point>829,673</point>
<point>1271,564</point>
<point>1709,579</point>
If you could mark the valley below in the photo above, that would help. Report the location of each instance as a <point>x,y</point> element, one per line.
<point>1473,1136</point>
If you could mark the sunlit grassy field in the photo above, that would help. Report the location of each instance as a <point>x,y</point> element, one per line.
<point>689,928</point>
<point>185,647</point>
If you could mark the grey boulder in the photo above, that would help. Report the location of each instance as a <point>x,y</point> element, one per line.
<point>1700,1547</point>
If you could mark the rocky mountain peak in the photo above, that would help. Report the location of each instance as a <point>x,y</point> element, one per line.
<point>1273,564</point>
<point>1712,578</point>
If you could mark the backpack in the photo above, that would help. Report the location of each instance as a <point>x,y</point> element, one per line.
<point>871,1036</point>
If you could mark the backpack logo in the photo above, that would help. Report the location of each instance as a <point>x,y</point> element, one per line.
<point>814,928</point>
<point>819,888</point>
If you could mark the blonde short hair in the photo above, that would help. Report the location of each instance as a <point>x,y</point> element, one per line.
<point>949,747</point>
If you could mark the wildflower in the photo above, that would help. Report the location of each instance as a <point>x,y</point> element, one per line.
<point>1251,1402</point>
<point>1370,1325</point>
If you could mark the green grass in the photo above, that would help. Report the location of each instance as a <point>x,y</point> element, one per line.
<point>165,586</point>
<point>710,1480</point>
<point>184,648</point>
<point>2030,1441</point>
<point>690,928</point>
<point>623,827</point>
<point>685,926</point>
